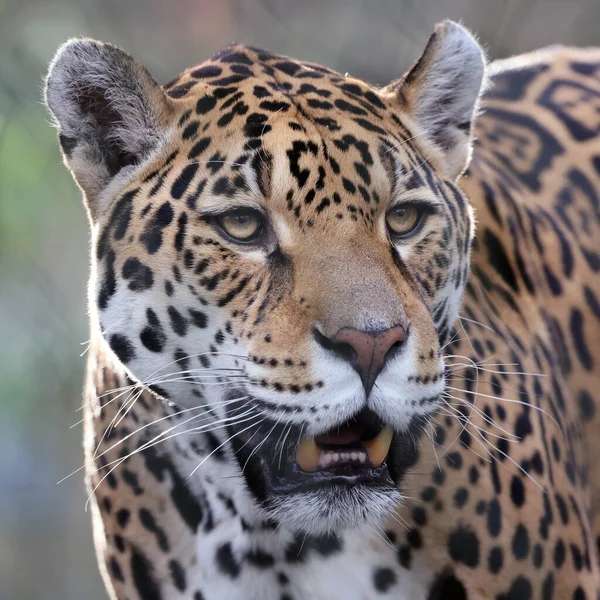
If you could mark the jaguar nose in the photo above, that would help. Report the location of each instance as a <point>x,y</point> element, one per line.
<point>367,351</point>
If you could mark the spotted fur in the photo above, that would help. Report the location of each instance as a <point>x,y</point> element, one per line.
<point>202,350</point>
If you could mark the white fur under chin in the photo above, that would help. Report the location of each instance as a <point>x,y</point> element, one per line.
<point>334,509</point>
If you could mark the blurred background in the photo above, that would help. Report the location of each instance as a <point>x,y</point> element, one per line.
<point>45,537</point>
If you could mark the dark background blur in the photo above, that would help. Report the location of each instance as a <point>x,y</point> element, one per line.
<point>45,539</point>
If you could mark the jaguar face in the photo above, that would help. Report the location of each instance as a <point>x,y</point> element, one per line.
<point>281,251</point>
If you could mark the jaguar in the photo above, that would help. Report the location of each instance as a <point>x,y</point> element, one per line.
<point>345,339</point>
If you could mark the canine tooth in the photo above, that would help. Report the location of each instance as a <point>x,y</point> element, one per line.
<point>362,457</point>
<point>307,455</point>
<point>378,447</point>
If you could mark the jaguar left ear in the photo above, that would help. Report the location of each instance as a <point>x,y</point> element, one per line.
<point>440,93</point>
<point>109,110</point>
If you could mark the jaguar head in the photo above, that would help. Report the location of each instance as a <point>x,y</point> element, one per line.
<point>282,251</point>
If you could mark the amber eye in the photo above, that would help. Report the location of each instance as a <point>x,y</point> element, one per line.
<point>403,220</point>
<point>241,225</point>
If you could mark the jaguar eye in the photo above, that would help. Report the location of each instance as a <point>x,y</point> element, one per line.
<point>241,225</point>
<point>403,220</point>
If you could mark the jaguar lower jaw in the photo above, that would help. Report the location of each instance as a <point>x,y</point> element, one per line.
<point>342,478</point>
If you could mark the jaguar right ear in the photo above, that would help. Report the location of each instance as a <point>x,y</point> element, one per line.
<point>109,111</point>
<point>441,93</point>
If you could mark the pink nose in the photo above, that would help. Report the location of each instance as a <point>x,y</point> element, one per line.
<point>366,351</point>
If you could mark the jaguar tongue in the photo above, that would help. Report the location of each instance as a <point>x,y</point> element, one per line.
<point>308,453</point>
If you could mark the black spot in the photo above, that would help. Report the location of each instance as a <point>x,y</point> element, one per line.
<point>517,491</point>
<point>463,546</point>
<point>290,68</point>
<point>181,229</point>
<point>562,509</point>
<point>460,497</point>
<point>148,521</point>
<point>181,90</point>
<point>121,216</point>
<point>499,260</point>
<point>577,557</point>
<point>153,335</point>
<point>495,560</point>
<point>587,407</point>
<point>454,460</point>
<point>326,545</point>
<point>494,520</point>
<point>178,575</point>
<point>559,554</point>
<point>191,130</point>
<point>228,56</point>
<point>179,323</point>
<point>143,576</point>
<point>205,104</point>
<point>109,281</point>
<point>520,542</point>
<point>384,578</point>
<point>151,238</point>
<point>208,71</point>
<point>428,494</point>
<point>523,426</point>
<point>260,559</point>
<point>183,499</point>
<point>519,590</point>
<point>438,476</point>
<point>579,594</point>
<point>419,515</point>
<point>181,184</point>
<point>123,517</point>
<point>414,538</point>
<point>538,556</point>
<point>447,587</point>
<point>226,562</point>
<point>122,347</point>
<point>199,147</point>
<point>296,550</point>
<point>115,569</point>
<point>256,125</point>
<point>131,479</point>
<point>199,319</point>
<point>274,106</point>
<point>548,587</point>
<point>405,556</point>
<point>139,275</point>
<point>370,126</point>
<point>581,347</point>
<point>348,107</point>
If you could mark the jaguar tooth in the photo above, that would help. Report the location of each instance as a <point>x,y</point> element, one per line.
<point>378,448</point>
<point>307,455</point>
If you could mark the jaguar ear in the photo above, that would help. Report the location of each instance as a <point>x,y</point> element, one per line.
<point>109,111</point>
<point>441,92</point>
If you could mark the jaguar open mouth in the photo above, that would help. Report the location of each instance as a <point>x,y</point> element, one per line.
<point>362,451</point>
<point>360,444</point>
